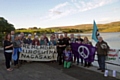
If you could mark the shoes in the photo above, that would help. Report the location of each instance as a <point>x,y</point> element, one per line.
<point>102,70</point>
<point>77,63</point>
<point>16,66</point>
<point>98,69</point>
<point>81,64</point>
<point>9,69</point>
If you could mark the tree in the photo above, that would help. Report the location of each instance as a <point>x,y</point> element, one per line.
<point>5,26</point>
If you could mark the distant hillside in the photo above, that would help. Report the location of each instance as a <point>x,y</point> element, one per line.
<point>84,28</point>
<point>109,27</point>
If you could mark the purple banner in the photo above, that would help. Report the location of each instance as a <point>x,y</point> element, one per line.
<point>87,52</point>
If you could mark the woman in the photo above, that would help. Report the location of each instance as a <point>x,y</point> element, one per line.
<point>43,41</point>
<point>8,49</point>
<point>86,41</point>
<point>52,41</point>
<point>36,41</point>
<point>29,40</point>
<point>17,46</point>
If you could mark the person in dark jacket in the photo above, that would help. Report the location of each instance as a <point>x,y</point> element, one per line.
<point>8,50</point>
<point>79,40</point>
<point>66,39</point>
<point>102,50</point>
<point>60,48</point>
<point>29,40</point>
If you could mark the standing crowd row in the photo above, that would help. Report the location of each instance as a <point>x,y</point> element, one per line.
<point>14,42</point>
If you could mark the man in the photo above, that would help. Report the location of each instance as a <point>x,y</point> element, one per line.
<point>23,39</point>
<point>102,50</point>
<point>79,40</point>
<point>72,38</point>
<point>60,48</point>
<point>66,39</point>
<point>12,36</point>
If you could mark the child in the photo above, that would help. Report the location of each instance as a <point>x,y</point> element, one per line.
<point>67,54</point>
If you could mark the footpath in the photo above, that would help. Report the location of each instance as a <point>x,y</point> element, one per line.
<point>51,71</point>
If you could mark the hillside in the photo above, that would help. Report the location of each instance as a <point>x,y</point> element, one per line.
<point>84,28</point>
<point>109,27</point>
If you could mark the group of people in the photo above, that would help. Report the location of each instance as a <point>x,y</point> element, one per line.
<point>13,44</point>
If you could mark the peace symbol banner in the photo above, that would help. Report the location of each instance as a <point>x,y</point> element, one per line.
<point>87,52</point>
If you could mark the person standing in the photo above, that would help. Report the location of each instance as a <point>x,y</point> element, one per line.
<point>79,40</point>
<point>72,38</point>
<point>60,48</point>
<point>17,46</point>
<point>36,41</point>
<point>42,40</point>
<point>29,40</point>
<point>53,41</point>
<point>46,38</point>
<point>12,36</point>
<point>23,38</point>
<point>66,39</point>
<point>8,49</point>
<point>86,41</point>
<point>102,50</point>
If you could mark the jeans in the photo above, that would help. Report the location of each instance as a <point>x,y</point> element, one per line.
<point>16,61</point>
<point>101,62</point>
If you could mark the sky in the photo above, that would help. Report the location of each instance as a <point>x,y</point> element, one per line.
<point>54,13</point>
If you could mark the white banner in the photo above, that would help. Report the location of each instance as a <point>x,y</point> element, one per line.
<point>38,53</point>
<point>113,56</point>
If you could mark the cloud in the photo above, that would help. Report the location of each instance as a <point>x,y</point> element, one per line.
<point>73,7</point>
<point>91,4</point>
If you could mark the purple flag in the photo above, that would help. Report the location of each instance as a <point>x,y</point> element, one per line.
<point>87,52</point>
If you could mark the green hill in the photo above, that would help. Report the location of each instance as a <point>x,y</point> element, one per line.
<point>84,28</point>
<point>109,27</point>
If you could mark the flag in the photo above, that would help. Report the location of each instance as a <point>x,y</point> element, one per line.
<point>87,52</point>
<point>95,32</point>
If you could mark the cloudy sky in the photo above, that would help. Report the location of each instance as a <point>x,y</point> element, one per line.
<point>51,13</point>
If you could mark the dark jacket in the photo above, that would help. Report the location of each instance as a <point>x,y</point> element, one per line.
<point>7,43</point>
<point>102,48</point>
